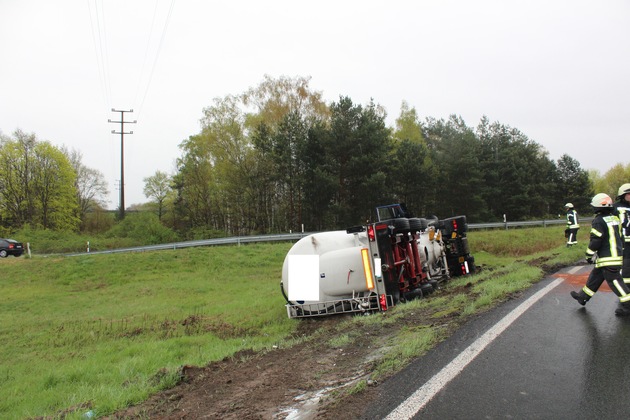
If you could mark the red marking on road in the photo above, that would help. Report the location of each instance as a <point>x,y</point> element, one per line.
<point>579,280</point>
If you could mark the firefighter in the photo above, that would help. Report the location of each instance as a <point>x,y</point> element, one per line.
<point>622,209</point>
<point>572,225</point>
<point>605,250</point>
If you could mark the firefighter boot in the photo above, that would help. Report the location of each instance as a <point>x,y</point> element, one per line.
<point>580,296</point>
<point>623,309</point>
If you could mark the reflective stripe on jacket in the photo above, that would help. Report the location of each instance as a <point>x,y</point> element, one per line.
<point>606,241</point>
<point>572,219</point>
<point>623,211</point>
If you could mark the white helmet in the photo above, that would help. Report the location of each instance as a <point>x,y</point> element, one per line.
<point>568,205</point>
<point>602,201</point>
<point>623,190</point>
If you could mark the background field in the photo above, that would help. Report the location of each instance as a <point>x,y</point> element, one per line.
<point>101,332</point>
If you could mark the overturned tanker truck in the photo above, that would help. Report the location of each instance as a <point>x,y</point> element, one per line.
<point>372,267</point>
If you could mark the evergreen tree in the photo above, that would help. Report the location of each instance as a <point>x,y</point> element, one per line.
<point>456,153</point>
<point>574,184</point>
<point>359,150</point>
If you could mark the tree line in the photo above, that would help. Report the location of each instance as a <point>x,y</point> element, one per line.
<point>44,186</point>
<point>277,158</point>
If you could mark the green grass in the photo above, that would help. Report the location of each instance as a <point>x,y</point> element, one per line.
<point>340,340</point>
<point>101,332</point>
<point>106,331</point>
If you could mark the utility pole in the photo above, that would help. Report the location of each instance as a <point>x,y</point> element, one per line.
<point>122,155</point>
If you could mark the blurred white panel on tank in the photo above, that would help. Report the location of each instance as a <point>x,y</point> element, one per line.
<point>303,277</point>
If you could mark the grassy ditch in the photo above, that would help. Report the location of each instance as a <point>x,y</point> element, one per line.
<point>98,333</point>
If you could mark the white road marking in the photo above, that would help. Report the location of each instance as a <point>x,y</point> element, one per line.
<point>426,392</point>
<point>575,269</point>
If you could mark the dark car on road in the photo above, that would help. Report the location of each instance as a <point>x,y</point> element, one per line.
<point>10,247</point>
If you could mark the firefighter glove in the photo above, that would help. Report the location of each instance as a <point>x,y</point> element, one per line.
<point>589,260</point>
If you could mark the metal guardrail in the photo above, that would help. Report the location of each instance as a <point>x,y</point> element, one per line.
<point>234,240</point>
<point>529,223</point>
<point>237,240</point>
<point>507,225</point>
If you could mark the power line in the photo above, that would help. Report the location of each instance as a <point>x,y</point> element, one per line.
<point>103,76</point>
<point>146,52</point>
<point>157,54</point>
<point>100,41</point>
<point>102,37</point>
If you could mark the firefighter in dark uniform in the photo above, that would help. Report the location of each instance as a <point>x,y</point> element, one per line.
<point>622,209</point>
<point>606,247</point>
<point>572,225</point>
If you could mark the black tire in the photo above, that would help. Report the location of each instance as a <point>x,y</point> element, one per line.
<point>427,288</point>
<point>400,224</point>
<point>415,224</point>
<point>3,253</point>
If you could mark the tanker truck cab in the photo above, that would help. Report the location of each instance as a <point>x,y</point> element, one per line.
<point>458,255</point>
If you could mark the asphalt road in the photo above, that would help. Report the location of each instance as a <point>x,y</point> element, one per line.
<point>542,356</point>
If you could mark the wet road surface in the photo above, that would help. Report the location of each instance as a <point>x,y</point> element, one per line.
<point>550,359</point>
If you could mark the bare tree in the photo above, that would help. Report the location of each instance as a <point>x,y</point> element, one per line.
<point>158,187</point>
<point>90,186</point>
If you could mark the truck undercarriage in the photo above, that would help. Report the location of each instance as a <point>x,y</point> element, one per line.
<point>375,266</point>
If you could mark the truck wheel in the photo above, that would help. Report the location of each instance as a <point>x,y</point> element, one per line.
<point>400,225</point>
<point>416,293</point>
<point>427,288</point>
<point>415,224</point>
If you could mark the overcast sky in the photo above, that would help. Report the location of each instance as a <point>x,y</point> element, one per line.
<point>559,71</point>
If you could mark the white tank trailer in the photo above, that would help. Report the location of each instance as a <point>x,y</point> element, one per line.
<point>369,268</point>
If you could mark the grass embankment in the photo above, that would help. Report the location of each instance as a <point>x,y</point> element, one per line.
<point>103,332</point>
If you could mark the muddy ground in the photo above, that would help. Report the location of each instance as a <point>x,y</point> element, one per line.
<point>318,379</point>
<point>302,381</point>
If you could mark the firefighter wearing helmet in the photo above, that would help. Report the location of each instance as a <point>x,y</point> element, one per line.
<point>605,250</point>
<point>572,225</point>
<point>622,209</point>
